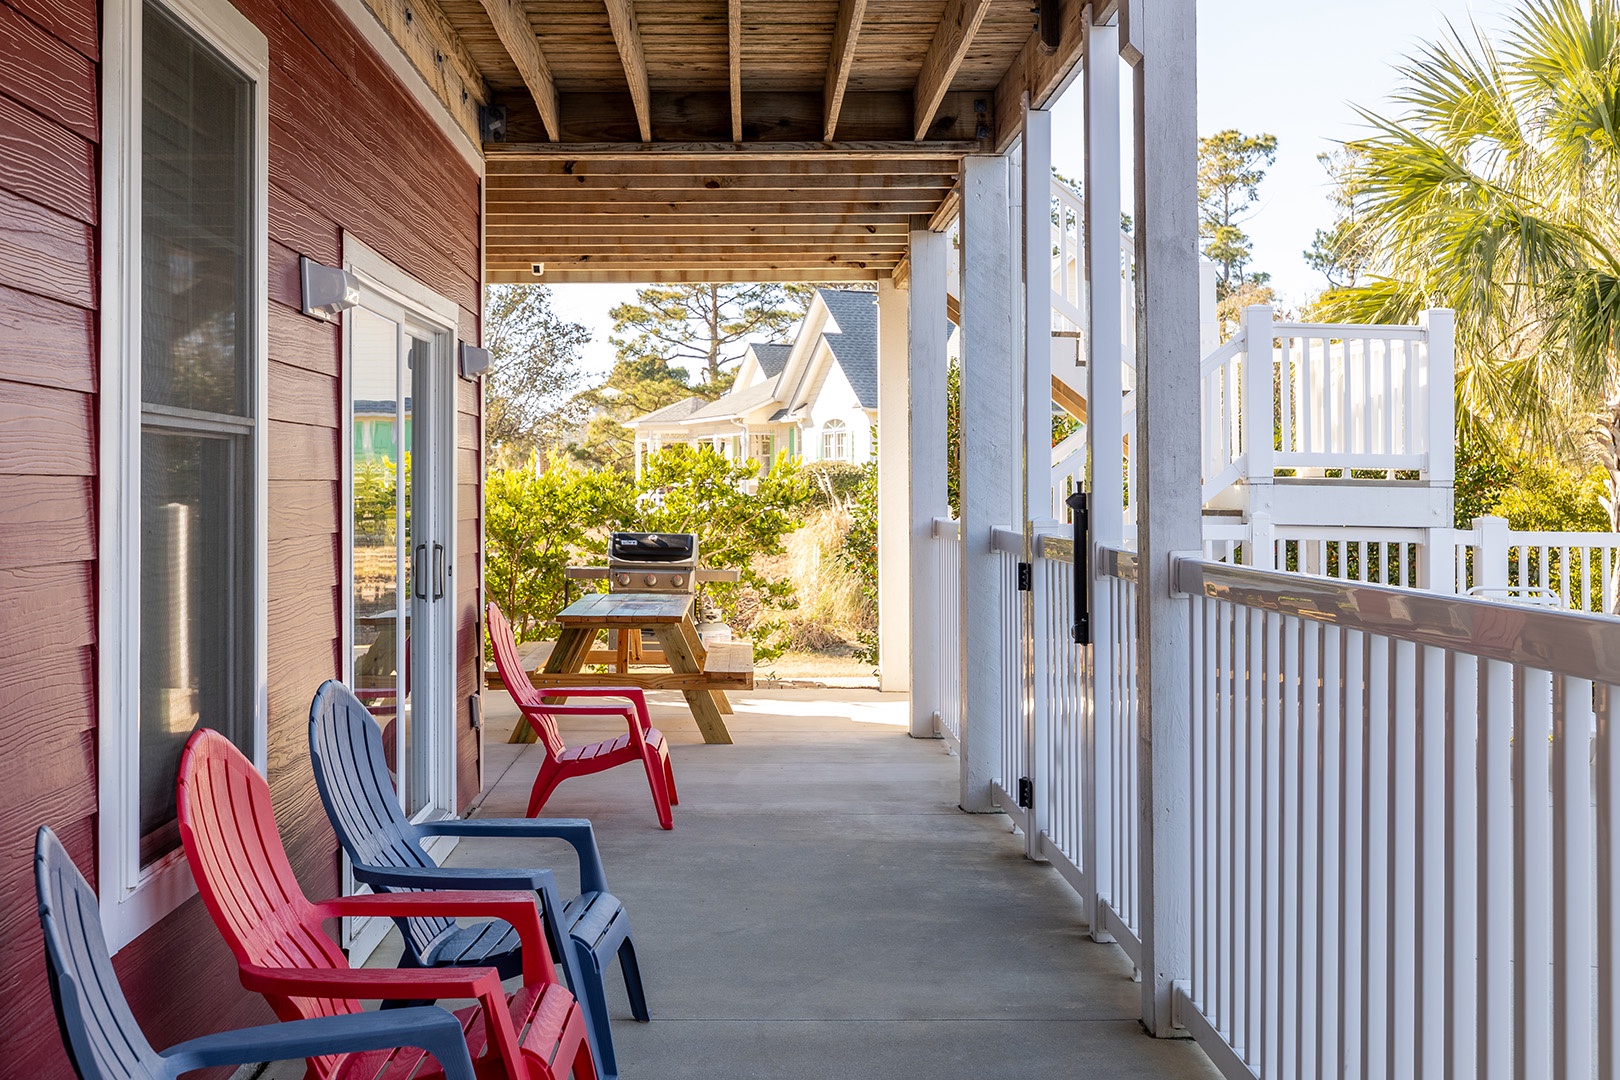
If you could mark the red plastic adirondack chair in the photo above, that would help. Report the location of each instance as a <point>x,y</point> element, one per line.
<point>282,952</point>
<point>643,742</point>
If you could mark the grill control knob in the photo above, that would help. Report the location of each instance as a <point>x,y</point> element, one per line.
<point>652,579</point>
<point>677,581</point>
<point>624,579</point>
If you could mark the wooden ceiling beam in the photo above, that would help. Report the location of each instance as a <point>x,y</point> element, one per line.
<point>659,232</point>
<point>517,37</point>
<point>761,210</point>
<point>1040,74</point>
<point>734,63</point>
<point>824,217</point>
<point>502,171</point>
<point>627,36</point>
<point>670,276</point>
<point>701,199</point>
<point>717,152</point>
<point>846,32</point>
<point>510,188</point>
<point>945,54</point>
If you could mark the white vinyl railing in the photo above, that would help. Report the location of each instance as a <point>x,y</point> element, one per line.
<point>948,568</point>
<point>1405,840</point>
<point>1575,571</point>
<point>1016,717</point>
<point>1068,472</point>
<point>1328,401</point>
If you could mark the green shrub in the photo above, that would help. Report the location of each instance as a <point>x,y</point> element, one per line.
<point>832,483</point>
<point>859,550</point>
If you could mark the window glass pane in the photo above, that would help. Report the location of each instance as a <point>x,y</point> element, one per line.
<point>196,595</point>
<point>196,222</point>
<point>197,619</point>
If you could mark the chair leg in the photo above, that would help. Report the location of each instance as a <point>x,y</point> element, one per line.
<point>583,1063</point>
<point>593,995</point>
<point>632,980</point>
<point>660,793</point>
<point>551,774</point>
<point>669,775</point>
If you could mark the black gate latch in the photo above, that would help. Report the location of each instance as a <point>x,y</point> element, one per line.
<point>1026,577</point>
<point>1026,792</point>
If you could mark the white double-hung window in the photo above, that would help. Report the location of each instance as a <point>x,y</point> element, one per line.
<point>183,485</point>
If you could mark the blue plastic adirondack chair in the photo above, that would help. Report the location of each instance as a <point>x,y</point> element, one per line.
<point>104,1042</point>
<point>388,853</point>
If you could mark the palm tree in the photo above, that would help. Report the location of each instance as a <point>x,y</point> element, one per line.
<point>1496,192</point>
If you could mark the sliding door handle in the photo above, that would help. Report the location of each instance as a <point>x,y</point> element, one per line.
<point>438,571</point>
<point>419,572</point>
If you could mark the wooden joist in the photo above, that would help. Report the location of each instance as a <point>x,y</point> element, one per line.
<point>637,170</point>
<point>946,53</point>
<point>734,65</point>
<point>627,36</point>
<point>517,36</point>
<point>1039,73</point>
<point>662,232</point>
<point>846,32</point>
<point>656,185</point>
<point>672,275</point>
<point>951,151</point>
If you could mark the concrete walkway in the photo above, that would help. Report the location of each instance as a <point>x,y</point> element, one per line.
<point>823,909</point>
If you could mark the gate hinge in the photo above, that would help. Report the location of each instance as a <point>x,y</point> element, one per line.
<point>1026,577</point>
<point>1026,792</point>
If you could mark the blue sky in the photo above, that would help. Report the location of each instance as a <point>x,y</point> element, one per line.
<point>1293,68</point>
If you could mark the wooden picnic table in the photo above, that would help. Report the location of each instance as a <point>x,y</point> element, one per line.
<point>668,617</point>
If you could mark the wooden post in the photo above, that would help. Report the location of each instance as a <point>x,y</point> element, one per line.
<point>894,491</point>
<point>990,395</point>
<point>1036,230</point>
<point>926,326</point>
<point>1161,41</point>
<point>1105,392</point>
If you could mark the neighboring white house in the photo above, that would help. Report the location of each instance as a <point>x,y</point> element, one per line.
<point>814,399</point>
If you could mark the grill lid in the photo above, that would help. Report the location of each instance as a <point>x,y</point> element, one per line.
<point>662,548</point>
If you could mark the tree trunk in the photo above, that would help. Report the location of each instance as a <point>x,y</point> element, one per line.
<point>714,334</point>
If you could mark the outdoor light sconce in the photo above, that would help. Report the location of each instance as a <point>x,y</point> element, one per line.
<point>474,361</point>
<point>327,290</point>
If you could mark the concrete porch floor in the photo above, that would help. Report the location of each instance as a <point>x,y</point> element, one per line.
<point>822,908</point>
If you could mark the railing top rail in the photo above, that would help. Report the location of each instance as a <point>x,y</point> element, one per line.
<point>1214,360</point>
<point>1349,330</point>
<point>1560,539</point>
<point>1054,547</point>
<point>1010,541</point>
<point>944,526</point>
<point>1567,643</point>
<point>1116,563</point>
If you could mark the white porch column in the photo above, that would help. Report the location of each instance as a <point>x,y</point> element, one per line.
<point>1161,41</point>
<point>925,434</point>
<point>989,459</point>
<point>1105,392</point>
<point>894,490</point>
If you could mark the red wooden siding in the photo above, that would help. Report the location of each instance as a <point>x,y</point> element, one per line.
<point>350,151</point>
<point>48,213</point>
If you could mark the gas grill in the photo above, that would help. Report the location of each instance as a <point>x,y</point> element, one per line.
<point>652,562</point>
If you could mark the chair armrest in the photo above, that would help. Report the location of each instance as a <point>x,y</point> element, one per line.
<point>387,984</point>
<point>634,694</point>
<point>429,1027</point>
<point>578,710</point>
<point>575,831</point>
<point>520,909</point>
<point>454,878</point>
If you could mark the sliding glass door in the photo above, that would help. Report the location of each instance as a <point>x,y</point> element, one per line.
<point>402,592</point>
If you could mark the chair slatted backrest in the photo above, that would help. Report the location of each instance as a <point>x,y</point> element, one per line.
<point>347,750</point>
<point>99,1031</point>
<point>241,867</point>
<point>517,682</point>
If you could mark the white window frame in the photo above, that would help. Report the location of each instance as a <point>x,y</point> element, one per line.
<point>134,899</point>
<point>842,430</point>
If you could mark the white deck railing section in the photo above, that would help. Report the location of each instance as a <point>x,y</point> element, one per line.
<point>1575,571</point>
<point>1332,401</point>
<point>1406,839</point>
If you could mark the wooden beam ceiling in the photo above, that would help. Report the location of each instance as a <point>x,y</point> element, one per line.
<point>627,36</point>
<point>846,32</point>
<point>724,154</point>
<point>517,36</point>
<point>949,48</point>
<point>734,65</point>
